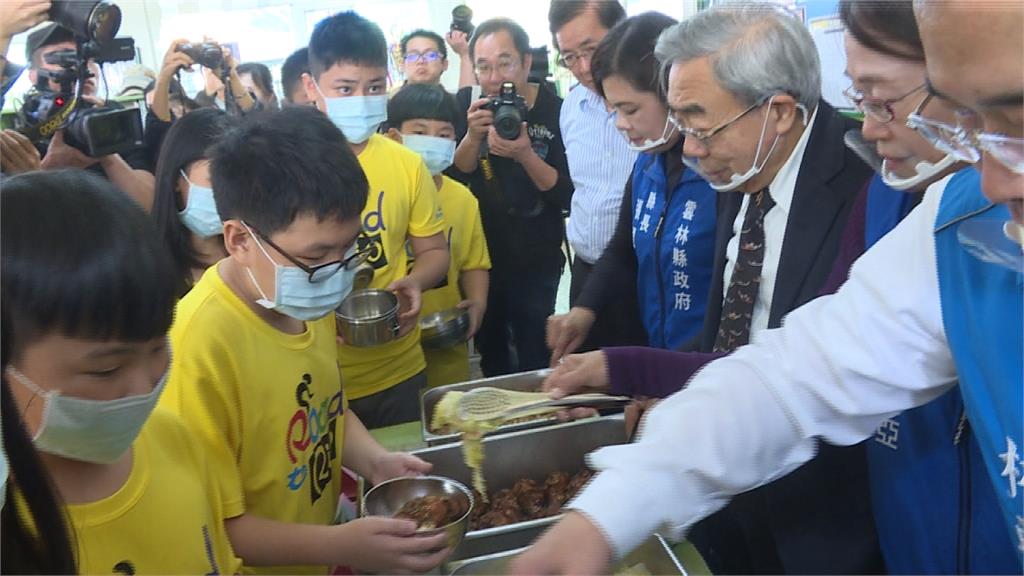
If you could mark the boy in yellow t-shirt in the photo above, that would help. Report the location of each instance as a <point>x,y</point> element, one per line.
<point>347,81</point>
<point>423,116</point>
<point>88,297</point>
<point>255,365</point>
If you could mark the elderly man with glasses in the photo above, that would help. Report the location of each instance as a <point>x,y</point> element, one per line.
<point>934,305</point>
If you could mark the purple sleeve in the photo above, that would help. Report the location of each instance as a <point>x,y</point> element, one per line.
<point>652,372</point>
<point>851,245</point>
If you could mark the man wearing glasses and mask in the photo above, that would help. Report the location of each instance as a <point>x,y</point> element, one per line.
<point>521,178</point>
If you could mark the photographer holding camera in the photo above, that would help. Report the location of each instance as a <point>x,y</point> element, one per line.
<point>126,173</point>
<point>217,69</point>
<point>513,158</point>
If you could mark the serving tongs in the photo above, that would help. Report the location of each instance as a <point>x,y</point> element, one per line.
<point>486,403</point>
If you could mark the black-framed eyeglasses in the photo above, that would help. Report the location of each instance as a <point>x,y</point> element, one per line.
<point>320,272</point>
<point>428,56</point>
<point>704,136</point>
<point>569,60</point>
<point>878,110</point>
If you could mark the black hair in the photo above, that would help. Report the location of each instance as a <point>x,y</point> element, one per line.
<point>346,37</point>
<point>428,34</point>
<point>609,13</point>
<point>292,70</point>
<point>628,51</point>
<point>188,140</point>
<point>279,165</point>
<point>81,259</point>
<point>262,77</point>
<point>886,26</point>
<point>421,101</point>
<point>494,25</point>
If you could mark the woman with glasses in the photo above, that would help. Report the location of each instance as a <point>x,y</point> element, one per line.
<point>663,248</point>
<point>183,206</point>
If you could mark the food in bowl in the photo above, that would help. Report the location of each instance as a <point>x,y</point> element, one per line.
<point>430,512</point>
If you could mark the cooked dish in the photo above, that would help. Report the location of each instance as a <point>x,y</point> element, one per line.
<point>431,512</point>
<point>527,499</point>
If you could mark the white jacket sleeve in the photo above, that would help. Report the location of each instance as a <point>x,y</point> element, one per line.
<point>838,367</point>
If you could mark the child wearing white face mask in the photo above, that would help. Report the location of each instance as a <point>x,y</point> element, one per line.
<point>423,116</point>
<point>88,297</point>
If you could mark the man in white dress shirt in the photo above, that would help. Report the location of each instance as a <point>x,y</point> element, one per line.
<point>916,315</point>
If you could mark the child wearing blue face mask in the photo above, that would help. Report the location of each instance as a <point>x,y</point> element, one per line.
<point>183,206</point>
<point>348,82</point>
<point>422,117</point>
<point>87,299</point>
<point>255,370</point>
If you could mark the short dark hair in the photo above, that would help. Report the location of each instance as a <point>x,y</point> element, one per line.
<point>188,140</point>
<point>346,37</point>
<point>494,25</point>
<point>886,26</point>
<point>261,76</point>
<point>80,259</point>
<point>609,13</point>
<point>421,102</point>
<point>295,65</point>
<point>628,51</point>
<point>281,164</point>
<point>428,34</point>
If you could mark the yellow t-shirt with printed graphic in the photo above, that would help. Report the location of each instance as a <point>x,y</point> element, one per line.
<point>168,516</point>
<point>402,203</point>
<point>468,247</point>
<point>268,406</point>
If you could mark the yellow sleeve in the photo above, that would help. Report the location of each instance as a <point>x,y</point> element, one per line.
<point>477,256</point>
<point>203,390</point>
<point>425,217</point>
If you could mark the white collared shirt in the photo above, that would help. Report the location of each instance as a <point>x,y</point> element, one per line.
<point>781,190</point>
<point>599,164</point>
<point>839,366</point>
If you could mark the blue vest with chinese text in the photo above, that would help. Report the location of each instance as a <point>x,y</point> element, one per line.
<point>674,241</point>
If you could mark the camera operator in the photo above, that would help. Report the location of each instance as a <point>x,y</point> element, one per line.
<point>523,186</point>
<point>126,173</point>
<point>19,155</point>
<point>215,93</point>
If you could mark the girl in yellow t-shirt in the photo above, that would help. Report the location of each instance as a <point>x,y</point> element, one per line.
<point>423,116</point>
<point>88,296</point>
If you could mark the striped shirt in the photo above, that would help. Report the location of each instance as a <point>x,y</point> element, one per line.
<point>599,164</point>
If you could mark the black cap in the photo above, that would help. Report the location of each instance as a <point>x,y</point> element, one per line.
<point>46,36</point>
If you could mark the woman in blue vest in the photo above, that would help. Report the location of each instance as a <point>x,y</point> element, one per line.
<point>663,247</point>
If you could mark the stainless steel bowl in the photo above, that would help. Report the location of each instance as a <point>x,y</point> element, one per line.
<point>444,329</point>
<point>368,318</point>
<point>387,498</point>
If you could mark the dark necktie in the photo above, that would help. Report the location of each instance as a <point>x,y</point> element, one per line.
<point>738,308</point>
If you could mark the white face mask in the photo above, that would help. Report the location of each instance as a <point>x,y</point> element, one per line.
<point>437,153</point>
<point>924,171</point>
<point>97,431</point>
<point>356,116</point>
<point>667,132</point>
<point>200,213</point>
<point>737,180</point>
<point>296,296</point>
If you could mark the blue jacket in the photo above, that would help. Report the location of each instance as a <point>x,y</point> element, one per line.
<point>982,308</point>
<point>674,241</point>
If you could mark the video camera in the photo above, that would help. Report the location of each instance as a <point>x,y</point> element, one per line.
<point>94,130</point>
<point>509,111</point>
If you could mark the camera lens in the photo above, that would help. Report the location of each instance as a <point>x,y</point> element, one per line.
<point>507,122</point>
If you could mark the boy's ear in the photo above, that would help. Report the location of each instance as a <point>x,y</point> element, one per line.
<point>394,135</point>
<point>238,242</point>
<point>310,85</point>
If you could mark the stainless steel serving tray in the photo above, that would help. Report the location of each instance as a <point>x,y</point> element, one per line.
<point>524,454</point>
<point>655,554</point>
<point>522,382</point>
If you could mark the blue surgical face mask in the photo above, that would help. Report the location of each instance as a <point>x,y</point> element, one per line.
<point>97,431</point>
<point>200,213</point>
<point>437,153</point>
<point>296,296</point>
<point>356,116</point>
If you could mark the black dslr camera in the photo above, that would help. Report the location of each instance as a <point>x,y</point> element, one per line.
<point>509,111</point>
<point>94,130</point>
<point>207,54</point>
<point>462,19</point>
